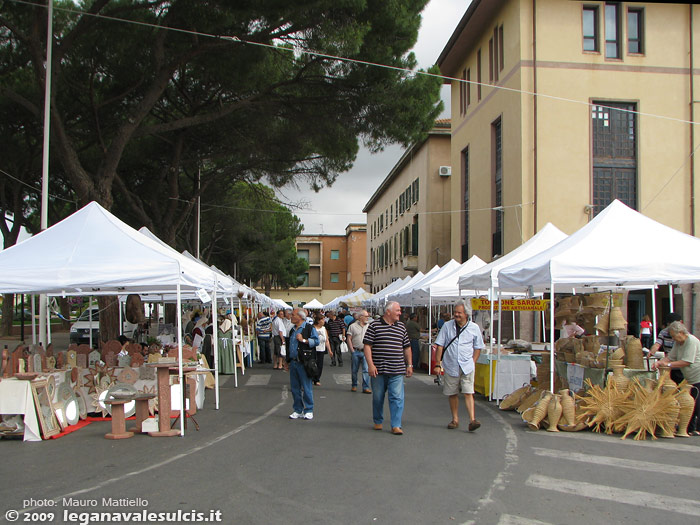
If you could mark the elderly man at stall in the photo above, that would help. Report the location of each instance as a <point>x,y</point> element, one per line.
<point>303,340</point>
<point>685,355</point>
<point>459,344</point>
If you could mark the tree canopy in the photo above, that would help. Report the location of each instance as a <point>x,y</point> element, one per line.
<point>148,93</point>
<point>252,237</point>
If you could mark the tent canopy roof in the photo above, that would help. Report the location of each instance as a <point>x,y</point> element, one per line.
<point>92,252</point>
<point>608,251</point>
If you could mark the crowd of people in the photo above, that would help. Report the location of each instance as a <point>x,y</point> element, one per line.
<point>382,351</point>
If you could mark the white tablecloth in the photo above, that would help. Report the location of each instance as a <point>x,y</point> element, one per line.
<point>16,398</point>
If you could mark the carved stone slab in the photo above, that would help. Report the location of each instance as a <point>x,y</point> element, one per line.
<point>110,358</point>
<point>136,360</point>
<point>72,358</point>
<point>128,375</point>
<point>153,358</point>
<point>51,363</point>
<point>111,346</point>
<point>37,364</point>
<point>147,373</point>
<point>83,349</point>
<point>123,361</point>
<point>81,360</point>
<point>94,357</point>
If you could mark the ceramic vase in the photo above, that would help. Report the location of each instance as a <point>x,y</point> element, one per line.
<point>687,405</point>
<point>554,413</point>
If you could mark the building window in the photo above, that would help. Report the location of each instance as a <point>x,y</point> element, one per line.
<point>465,230</point>
<point>478,75</point>
<point>612,30</point>
<point>396,210</point>
<point>414,236</point>
<point>306,279</point>
<point>501,53</point>
<point>497,239</point>
<point>335,254</point>
<point>303,254</point>
<point>396,247</point>
<point>463,93</point>
<point>407,197</point>
<point>335,278</point>
<point>491,60</point>
<point>590,28</point>
<point>381,222</point>
<point>635,31</point>
<point>406,240</point>
<point>415,191</point>
<point>614,154</point>
<point>391,214</point>
<point>496,54</point>
<point>469,87</point>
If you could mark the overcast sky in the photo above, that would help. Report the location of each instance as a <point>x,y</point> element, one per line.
<point>332,209</point>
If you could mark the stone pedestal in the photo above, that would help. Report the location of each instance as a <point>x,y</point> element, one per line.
<point>118,420</point>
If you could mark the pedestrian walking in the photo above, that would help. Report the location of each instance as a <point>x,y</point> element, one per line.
<point>355,336</point>
<point>263,328</point>
<point>303,340</point>
<point>459,344</point>
<point>388,353</point>
<point>336,333</point>
<point>278,340</point>
<point>413,329</point>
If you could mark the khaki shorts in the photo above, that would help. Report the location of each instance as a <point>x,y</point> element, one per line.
<point>452,385</point>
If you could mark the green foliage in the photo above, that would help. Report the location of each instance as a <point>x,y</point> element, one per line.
<point>253,236</point>
<point>138,110</point>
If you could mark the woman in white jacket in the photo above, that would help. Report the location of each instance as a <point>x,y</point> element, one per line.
<point>323,344</point>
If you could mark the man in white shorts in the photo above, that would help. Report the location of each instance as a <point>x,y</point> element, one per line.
<point>459,344</point>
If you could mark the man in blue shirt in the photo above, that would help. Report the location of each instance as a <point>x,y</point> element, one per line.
<point>459,344</point>
<point>303,339</point>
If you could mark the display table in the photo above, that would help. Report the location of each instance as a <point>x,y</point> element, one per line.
<point>118,420</point>
<point>16,398</point>
<point>508,373</point>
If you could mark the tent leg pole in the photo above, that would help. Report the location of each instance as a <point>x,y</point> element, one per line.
<point>498,347</point>
<point>491,300</point>
<point>233,345</point>
<point>179,361</point>
<point>551,337</point>
<point>215,337</point>
<point>670,297</point>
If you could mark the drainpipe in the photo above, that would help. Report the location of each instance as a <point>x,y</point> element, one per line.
<point>534,108</point>
<point>692,127</point>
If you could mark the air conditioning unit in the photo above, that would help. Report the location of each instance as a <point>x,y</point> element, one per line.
<point>445,171</point>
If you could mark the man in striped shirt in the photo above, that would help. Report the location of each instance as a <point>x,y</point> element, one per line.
<point>388,354</point>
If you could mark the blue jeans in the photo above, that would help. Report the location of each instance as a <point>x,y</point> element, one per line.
<point>357,358</point>
<point>302,388</point>
<point>394,385</point>
<point>415,351</point>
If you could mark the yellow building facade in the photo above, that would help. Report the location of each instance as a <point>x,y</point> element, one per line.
<point>565,106</point>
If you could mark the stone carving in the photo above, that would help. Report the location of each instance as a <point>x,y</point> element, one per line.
<point>128,375</point>
<point>81,360</point>
<point>110,358</point>
<point>136,360</point>
<point>94,357</point>
<point>72,358</point>
<point>147,373</point>
<point>123,361</point>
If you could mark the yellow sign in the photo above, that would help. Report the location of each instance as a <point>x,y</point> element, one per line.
<point>511,305</point>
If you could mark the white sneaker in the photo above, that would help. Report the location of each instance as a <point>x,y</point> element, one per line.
<point>309,415</point>
<point>296,415</point>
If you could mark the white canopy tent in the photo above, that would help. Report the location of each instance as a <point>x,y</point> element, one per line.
<point>92,252</point>
<point>356,298</point>
<point>406,298</point>
<point>443,288</point>
<point>314,304</point>
<point>607,253</point>
<point>380,296</point>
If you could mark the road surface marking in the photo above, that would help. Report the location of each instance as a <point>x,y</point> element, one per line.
<point>665,444</point>
<point>630,497</point>
<point>509,519</point>
<point>283,401</point>
<point>258,380</point>
<point>646,466</point>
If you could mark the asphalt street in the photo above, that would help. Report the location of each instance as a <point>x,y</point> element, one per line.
<point>254,465</point>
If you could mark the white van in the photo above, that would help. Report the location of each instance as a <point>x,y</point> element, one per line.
<point>80,329</point>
